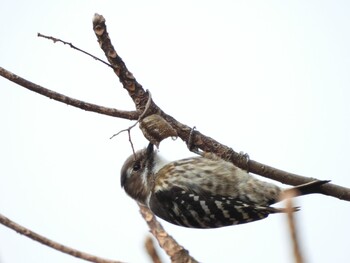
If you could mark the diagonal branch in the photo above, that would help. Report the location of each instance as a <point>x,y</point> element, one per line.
<point>184,132</point>
<point>187,134</point>
<point>136,92</point>
<point>151,250</point>
<point>50,243</point>
<point>177,253</point>
<point>292,226</point>
<point>55,40</point>
<point>130,115</point>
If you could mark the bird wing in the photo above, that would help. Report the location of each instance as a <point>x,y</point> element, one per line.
<point>205,210</point>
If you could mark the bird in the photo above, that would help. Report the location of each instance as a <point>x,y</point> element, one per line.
<point>204,191</point>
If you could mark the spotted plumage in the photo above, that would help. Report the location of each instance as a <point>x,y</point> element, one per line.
<point>200,192</point>
<point>204,211</point>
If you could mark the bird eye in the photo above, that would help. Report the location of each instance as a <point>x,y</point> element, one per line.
<point>136,167</point>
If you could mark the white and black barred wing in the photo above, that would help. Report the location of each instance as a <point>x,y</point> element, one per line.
<point>204,210</point>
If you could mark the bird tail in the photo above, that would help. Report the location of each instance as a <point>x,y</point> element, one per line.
<point>312,187</point>
<point>309,188</point>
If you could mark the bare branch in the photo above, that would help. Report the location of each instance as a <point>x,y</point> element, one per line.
<point>136,92</point>
<point>132,126</point>
<point>130,115</point>
<point>50,243</point>
<point>186,133</point>
<point>288,195</point>
<point>54,39</point>
<point>177,253</point>
<point>144,105</point>
<point>151,250</point>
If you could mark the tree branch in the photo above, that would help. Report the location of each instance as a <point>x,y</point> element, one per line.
<point>177,253</point>
<point>136,92</point>
<point>50,243</point>
<point>55,40</point>
<point>130,115</point>
<point>140,98</point>
<point>199,140</point>
<point>151,250</point>
<point>292,226</point>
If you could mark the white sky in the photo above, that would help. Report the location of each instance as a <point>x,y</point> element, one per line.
<point>270,78</point>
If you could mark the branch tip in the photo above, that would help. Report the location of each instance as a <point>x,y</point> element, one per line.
<point>97,18</point>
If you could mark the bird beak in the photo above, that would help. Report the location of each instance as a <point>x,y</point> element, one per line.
<point>149,150</point>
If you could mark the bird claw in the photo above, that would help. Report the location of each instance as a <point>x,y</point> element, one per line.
<point>191,144</point>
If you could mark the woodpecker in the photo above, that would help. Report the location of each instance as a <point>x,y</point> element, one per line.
<point>201,192</point>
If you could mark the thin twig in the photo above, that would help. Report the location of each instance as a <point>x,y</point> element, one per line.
<point>148,104</point>
<point>54,39</point>
<point>130,140</point>
<point>151,250</point>
<point>132,126</point>
<point>288,195</point>
<point>138,120</point>
<point>50,243</point>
